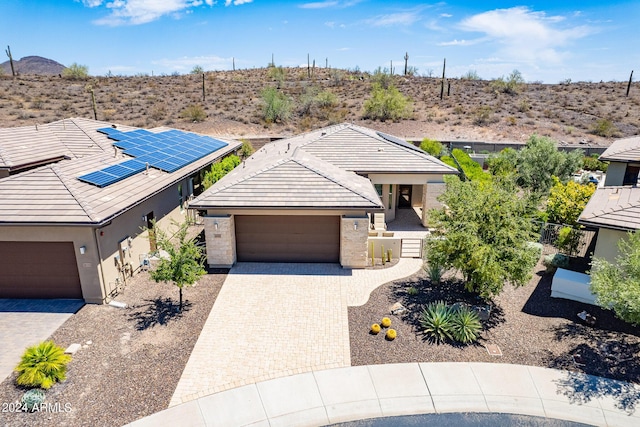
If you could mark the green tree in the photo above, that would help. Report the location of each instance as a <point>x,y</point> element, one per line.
<point>276,106</point>
<point>387,104</point>
<point>220,169</point>
<point>247,149</point>
<point>183,267</point>
<point>567,201</point>
<point>483,231</point>
<point>503,163</point>
<point>471,169</point>
<point>197,70</point>
<point>317,103</point>
<point>512,84</point>
<point>617,285</point>
<point>593,163</point>
<point>76,72</point>
<point>432,147</point>
<point>540,160</point>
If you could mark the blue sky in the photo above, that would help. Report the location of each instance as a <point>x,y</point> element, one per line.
<point>546,41</point>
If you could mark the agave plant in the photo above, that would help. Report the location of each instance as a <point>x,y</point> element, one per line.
<point>436,320</point>
<point>42,365</point>
<point>465,325</point>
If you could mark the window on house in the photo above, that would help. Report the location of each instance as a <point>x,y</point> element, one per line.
<point>180,197</point>
<point>378,189</point>
<point>390,196</point>
<point>631,175</point>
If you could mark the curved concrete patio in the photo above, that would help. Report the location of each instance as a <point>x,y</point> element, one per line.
<point>272,320</point>
<point>346,394</point>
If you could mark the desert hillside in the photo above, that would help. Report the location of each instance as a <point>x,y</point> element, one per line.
<point>572,113</point>
<point>33,65</point>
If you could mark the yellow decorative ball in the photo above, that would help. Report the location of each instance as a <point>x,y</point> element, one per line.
<point>375,328</point>
<point>391,334</point>
<point>386,322</point>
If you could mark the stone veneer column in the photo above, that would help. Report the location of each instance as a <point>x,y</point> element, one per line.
<point>353,241</point>
<point>221,241</point>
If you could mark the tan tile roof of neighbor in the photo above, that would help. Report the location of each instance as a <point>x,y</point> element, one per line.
<point>613,207</point>
<point>53,193</point>
<point>299,181</point>
<point>623,150</point>
<point>316,170</point>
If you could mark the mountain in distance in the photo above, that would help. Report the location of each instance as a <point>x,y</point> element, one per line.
<point>33,65</point>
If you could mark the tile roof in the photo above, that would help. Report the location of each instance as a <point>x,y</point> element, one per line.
<point>53,194</point>
<point>316,169</point>
<point>613,207</point>
<point>299,181</point>
<point>623,150</point>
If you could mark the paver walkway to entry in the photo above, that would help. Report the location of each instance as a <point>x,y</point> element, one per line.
<point>24,323</point>
<point>275,320</point>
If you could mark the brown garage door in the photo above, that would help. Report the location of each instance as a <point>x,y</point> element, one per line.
<point>38,270</point>
<point>287,238</point>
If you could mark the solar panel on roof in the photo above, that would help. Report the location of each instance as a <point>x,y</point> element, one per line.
<point>168,151</point>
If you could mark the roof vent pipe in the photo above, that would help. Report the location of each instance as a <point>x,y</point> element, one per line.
<point>147,166</point>
<point>288,146</point>
<point>115,151</point>
<point>36,127</point>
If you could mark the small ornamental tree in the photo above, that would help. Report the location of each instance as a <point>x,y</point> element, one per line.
<point>432,147</point>
<point>183,267</point>
<point>567,201</point>
<point>483,231</point>
<point>617,285</point>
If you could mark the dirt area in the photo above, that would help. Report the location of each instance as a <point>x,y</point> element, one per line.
<point>529,327</point>
<point>131,358</point>
<point>472,111</point>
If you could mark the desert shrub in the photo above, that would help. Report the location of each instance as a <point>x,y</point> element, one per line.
<point>524,105</point>
<point>391,334</point>
<point>512,84</point>
<point>194,113</point>
<point>387,104</point>
<point>556,261</point>
<point>277,74</point>
<point>436,321</point>
<point>568,241</point>
<point>382,77</point>
<point>465,325</point>
<point>317,103</point>
<point>385,322</point>
<point>32,398</point>
<point>159,112</point>
<point>42,365</point>
<point>76,72</point>
<point>483,115</point>
<point>592,163</point>
<point>567,201</point>
<point>470,75</point>
<point>276,106</point>
<point>605,128</point>
<point>247,149</point>
<point>412,291</point>
<point>197,70</point>
<point>375,329</point>
<point>432,147</point>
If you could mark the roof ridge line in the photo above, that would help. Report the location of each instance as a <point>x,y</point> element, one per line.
<point>251,175</point>
<point>333,129</point>
<point>298,161</point>
<point>69,184</point>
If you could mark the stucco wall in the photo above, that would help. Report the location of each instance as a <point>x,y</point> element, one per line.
<point>607,244</point>
<point>430,193</point>
<point>615,173</point>
<point>353,241</point>
<point>221,240</point>
<point>393,243</point>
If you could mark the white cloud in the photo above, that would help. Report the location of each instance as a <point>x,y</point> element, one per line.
<point>446,15</point>
<point>393,19</point>
<point>328,3</point>
<point>462,42</point>
<point>525,35</point>
<point>134,12</point>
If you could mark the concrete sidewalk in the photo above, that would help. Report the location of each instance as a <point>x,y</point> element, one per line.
<point>346,394</point>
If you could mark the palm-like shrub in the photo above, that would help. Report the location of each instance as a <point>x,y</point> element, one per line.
<point>42,365</point>
<point>465,325</point>
<point>436,320</point>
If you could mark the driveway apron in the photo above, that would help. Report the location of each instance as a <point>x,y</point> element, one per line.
<point>275,320</point>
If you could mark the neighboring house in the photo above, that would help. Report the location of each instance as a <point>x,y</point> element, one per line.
<point>310,198</point>
<point>77,196</point>
<point>615,208</point>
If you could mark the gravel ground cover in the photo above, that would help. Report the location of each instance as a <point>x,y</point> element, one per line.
<point>529,327</point>
<point>131,358</point>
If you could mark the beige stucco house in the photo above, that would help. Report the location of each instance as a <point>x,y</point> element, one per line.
<point>615,208</point>
<point>67,232</point>
<point>313,197</point>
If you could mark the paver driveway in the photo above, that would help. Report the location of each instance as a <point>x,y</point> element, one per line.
<point>24,323</point>
<point>272,320</point>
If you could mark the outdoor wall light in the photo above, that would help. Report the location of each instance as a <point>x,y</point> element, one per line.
<point>355,225</point>
<point>83,249</point>
<point>215,225</point>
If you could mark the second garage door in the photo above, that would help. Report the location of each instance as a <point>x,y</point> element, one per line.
<point>38,270</point>
<point>287,238</point>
